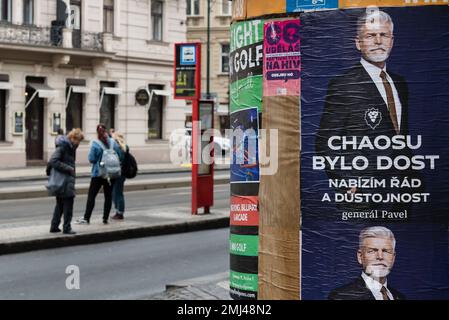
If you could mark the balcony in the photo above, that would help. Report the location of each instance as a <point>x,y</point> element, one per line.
<point>26,35</point>
<point>55,36</point>
<point>56,45</point>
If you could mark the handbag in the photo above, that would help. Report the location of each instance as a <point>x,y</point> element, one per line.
<point>57,182</point>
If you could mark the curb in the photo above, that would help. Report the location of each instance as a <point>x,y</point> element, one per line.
<point>41,192</point>
<point>115,235</point>
<point>87,174</point>
<point>197,281</point>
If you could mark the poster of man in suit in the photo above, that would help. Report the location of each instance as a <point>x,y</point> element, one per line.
<point>374,151</point>
<point>376,255</point>
<point>367,104</point>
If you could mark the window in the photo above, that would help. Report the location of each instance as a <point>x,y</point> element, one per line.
<point>108,16</point>
<point>156,18</point>
<point>225,58</point>
<point>75,22</point>
<point>193,7</point>
<point>28,11</point>
<point>226,7</point>
<point>155,114</point>
<point>2,115</point>
<point>5,10</point>
<point>75,14</point>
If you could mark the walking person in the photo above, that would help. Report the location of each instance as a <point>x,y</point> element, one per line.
<point>103,156</point>
<point>117,192</point>
<point>63,160</point>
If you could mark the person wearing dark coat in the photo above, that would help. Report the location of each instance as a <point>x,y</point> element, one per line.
<point>63,160</point>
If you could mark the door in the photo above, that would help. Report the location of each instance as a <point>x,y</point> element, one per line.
<point>2,115</point>
<point>34,123</point>
<point>74,112</point>
<point>155,114</point>
<point>107,109</point>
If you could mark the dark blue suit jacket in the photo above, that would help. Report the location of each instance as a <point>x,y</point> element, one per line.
<point>357,290</point>
<point>350,99</point>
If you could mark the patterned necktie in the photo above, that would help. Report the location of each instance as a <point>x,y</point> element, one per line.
<point>383,290</point>
<point>390,101</point>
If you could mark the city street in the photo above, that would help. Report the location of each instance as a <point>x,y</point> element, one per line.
<point>130,269</point>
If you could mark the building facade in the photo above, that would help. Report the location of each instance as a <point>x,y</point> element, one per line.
<point>220,21</point>
<point>76,63</point>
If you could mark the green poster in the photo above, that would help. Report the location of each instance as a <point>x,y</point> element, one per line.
<point>246,65</point>
<point>243,281</point>
<point>244,245</point>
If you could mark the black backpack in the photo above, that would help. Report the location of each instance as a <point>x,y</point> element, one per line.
<point>129,166</point>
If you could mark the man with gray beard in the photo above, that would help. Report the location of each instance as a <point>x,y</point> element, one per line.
<point>376,255</point>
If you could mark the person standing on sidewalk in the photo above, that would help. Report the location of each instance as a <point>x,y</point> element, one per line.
<point>104,142</point>
<point>117,192</point>
<point>63,160</point>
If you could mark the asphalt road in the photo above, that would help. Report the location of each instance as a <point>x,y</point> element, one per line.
<point>130,269</point>
<point>27,209</point>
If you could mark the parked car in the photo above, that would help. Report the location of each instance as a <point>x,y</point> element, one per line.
<point>182,138</point>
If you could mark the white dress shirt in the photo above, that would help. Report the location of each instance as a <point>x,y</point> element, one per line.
<point>374,73</point>
<point>374,286</point>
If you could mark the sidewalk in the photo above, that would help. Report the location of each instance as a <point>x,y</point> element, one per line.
<point>37,173</point>
<point>34,235</point>
<point>214,287</point>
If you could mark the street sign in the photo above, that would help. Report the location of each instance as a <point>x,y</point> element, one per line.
<point>186,73</point>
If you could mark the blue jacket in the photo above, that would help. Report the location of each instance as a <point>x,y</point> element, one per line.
<point>96,153</point>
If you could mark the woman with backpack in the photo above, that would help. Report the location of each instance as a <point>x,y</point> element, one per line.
<point>104,157</point>
<point>117,192</point>
<point>63,161</point>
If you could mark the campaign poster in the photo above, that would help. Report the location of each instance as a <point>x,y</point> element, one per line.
<point>303,5</point>
<point>245,62</point>
<point>375,153</point>
<point>245,153</point>
<point>282,58</point>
